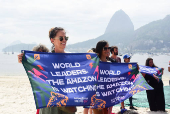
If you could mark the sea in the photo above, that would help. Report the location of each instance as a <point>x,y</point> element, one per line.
<point>9,65</point>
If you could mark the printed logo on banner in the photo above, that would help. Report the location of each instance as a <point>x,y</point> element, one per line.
<point>57,99</point>
<point>40,67</point>
<point>130,66</point>
<point>97,103</point>
<point>36,56</point>
<point>137,89</point>
<point>88,57</point>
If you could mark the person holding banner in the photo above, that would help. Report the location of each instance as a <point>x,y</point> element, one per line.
<point>103,51</point>
<point>114,52</point>
<point>86,109</point>
<point>127,60</point>
<point>155,97</point>
<point>38,48</point>
<point>58,38</point>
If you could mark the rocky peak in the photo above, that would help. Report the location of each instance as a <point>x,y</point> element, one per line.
<point>120,22</point>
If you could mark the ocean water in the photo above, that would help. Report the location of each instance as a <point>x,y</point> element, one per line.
<point>9,65</point>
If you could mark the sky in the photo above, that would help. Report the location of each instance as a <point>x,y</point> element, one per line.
<point>30,20</point>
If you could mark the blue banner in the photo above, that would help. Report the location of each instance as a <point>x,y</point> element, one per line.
<point>79,79</point>
<point>117,82</point>
<point>152,71</point>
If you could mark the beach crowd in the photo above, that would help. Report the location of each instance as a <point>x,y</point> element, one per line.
<point>58,38</point>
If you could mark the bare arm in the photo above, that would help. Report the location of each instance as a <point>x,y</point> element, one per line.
<point>143,74</point>
<point>169,68</point>
<point>162,71</point>
<point>20,57</point>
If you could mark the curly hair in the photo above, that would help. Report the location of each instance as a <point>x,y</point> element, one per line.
<point>40,47</point>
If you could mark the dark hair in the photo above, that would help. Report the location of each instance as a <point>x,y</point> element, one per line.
<point>112,48</point>
<point>94,49</point>
<point>52,33</point>
<point>99,47</point>
<point>147,62</point>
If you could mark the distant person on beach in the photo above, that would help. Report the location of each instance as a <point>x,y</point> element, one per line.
<point>114,52</point>
<point>155,97</point>
<point>58,38</point>
<point>127,60</point>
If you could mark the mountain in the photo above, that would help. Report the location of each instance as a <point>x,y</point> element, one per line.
<point>18,47</point>
<point>15,42</point>
<point>155,35</point>
<point>120,22</point>
<point>120,31</point>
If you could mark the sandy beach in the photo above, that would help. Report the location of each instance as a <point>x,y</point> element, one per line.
<point>17,98</point>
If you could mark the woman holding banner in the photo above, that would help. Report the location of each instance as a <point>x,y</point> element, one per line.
<point>103,51</point>
<point>155,97</point>
<point>58,38</point>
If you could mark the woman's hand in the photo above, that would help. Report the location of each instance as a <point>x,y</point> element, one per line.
<point>20,57</point>
<point>143,74</point>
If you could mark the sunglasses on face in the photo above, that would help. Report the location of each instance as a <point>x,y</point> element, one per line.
<point>62,37</point>
<point>105,48</point>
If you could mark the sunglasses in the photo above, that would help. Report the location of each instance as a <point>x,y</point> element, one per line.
<point>105,48</point>
<point>62,37</point>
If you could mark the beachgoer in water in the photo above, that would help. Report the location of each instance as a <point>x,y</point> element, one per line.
<point>155,97</point>
<point>127,60</point>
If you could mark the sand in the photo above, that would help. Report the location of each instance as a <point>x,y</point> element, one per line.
<point>17,98</point>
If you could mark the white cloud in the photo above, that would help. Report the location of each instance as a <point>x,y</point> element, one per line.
<point>30,21</point>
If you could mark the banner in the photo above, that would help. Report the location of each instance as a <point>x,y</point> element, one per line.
<point>152,71</point>
<point>79,79</point>
<point>116,83</point>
